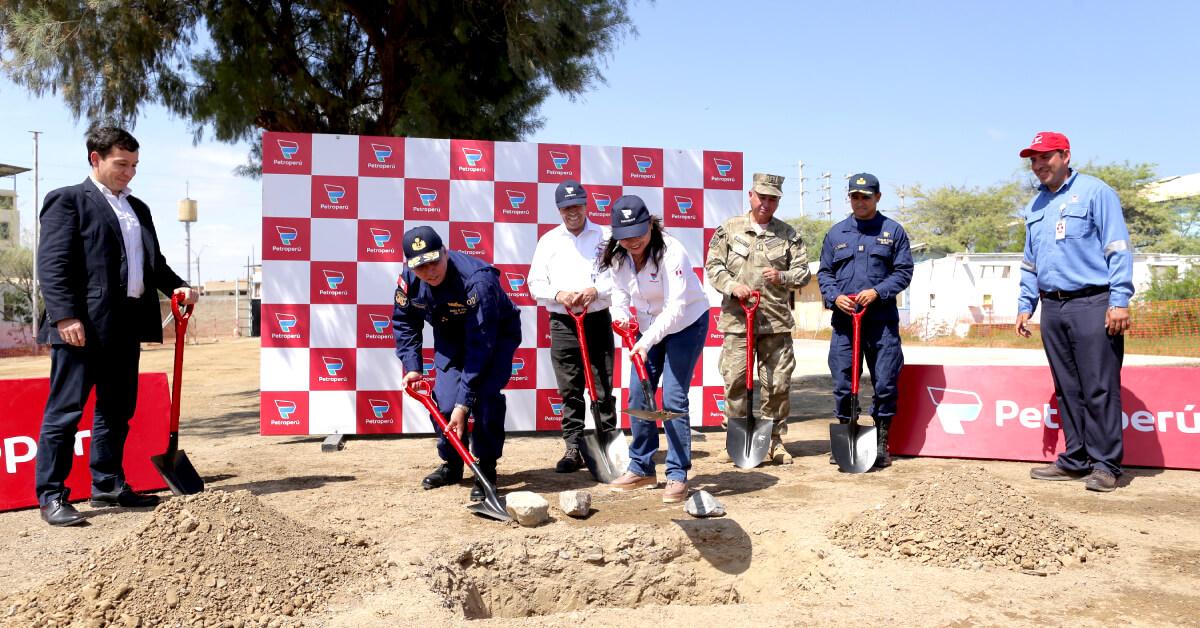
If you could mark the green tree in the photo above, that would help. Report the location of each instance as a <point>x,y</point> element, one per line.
<point>957,219</point>
<point>1173,287</point>
<point>467,68</point>
<point>812,231</point>
<point>16,283</point>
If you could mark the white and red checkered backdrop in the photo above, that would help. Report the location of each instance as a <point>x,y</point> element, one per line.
<point>334,211</point>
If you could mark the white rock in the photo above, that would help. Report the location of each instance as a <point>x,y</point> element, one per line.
<point>528,508</point>
<point>703,504</point>
<point>575,503</point>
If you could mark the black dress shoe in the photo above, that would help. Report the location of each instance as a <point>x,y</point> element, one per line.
<point>1055,473</point>
<point>124,498</point>
<point>1101,480</point>
<point>444,475</point>
<point>60,513</point>
<point>488,467</point>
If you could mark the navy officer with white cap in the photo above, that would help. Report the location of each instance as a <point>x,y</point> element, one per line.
<point>476,332</point>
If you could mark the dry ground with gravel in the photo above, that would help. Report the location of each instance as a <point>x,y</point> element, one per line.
<point>358,543</point>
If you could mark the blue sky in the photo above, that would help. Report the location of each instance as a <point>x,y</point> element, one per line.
<point>935,93</point>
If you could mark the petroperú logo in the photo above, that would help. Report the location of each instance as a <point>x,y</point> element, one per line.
<point>380,324</point>
<point>428,197</point>
<point>426,367</point>
<point>473,157</point>
<point>335,194</point>
<point>560,160</point>
<point>723,167</point>
<point>334,367</point>
<point>383,155</point>
<point>518,365</point>
<point>602,201</point>
<point>286,408</point>
<point>287,238</point>
<point>643,164</point>
<point>380,409</point>
<point>287,323</point>
<point>720,401</point>
<point>684,204</point>
<point>381,237</point>
<point>556,407</point>
<point>288,150</point>
<point>334,279</point>
<point>472,240</point>
<point>955,407</point>
<point>516,199</point>
<point>516,282</point>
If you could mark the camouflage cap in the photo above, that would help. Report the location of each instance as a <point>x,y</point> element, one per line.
<point>768,184</point>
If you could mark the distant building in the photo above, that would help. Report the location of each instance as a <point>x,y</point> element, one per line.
<point>10,219</point>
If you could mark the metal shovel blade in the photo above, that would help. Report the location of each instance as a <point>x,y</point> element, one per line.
<point>492,505</point>
<point>652,415</point>
<point>854,446</point>
<point>177,470</point>
<point>606,454</point>
<point>748,441</point>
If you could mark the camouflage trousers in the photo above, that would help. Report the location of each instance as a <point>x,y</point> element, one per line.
<point>773,377</point>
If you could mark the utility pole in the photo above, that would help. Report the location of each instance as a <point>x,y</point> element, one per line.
<point>802,192</point>
<point>828,200</point>
<point>37,204</point>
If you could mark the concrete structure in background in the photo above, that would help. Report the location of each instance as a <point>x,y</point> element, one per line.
<point>951,294</point>
<point>1173,188</point>
<point>10,219</point>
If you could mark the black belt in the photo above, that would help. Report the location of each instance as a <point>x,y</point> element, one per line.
<point>1065,295</point>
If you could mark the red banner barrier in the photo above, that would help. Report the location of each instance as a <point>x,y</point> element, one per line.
<point>1009,413</point>
<point>21,404</point>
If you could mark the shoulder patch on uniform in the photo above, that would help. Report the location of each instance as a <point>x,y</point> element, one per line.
<point>401,291</point>
<point>472,299</point>
<point>838,247</point>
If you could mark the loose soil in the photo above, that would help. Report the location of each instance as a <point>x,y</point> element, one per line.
<point>350,539</point>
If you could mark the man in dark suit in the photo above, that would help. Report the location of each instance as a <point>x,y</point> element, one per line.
<point>100,270</point>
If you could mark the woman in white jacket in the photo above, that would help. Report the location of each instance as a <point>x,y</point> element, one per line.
<point>653,274</point>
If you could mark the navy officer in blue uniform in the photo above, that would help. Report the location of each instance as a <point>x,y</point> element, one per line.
<point>1079,264</point>
<point>476,331</point>
<point>866,254</point>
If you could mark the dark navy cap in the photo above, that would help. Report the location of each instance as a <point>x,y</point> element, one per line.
<point>570,193</point>
<point>864,183</point>
<point>421,246</point>
<point>630,218</point>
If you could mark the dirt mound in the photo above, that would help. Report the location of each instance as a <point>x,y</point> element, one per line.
<point>622,566</point>
<point>969,519</point>
<point>210,558</point>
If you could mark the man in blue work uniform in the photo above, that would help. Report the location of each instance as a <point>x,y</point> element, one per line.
<point>1078,262</point>
<point>866,254</point>
<point>476,331</point>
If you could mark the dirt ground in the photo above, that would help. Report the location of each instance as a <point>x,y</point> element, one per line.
<point>771,561</point>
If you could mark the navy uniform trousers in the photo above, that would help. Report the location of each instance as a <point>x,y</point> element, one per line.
<point>1086,364</point>
<point>486,437</point>
<point>879,344</point>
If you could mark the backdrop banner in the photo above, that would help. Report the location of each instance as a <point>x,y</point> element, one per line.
<point>335,208</point>
<point>1009,413</point>
<point>22,402</point>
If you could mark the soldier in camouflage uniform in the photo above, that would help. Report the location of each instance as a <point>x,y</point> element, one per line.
<point>756,251</point>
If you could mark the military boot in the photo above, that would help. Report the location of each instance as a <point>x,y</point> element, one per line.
<point>884,458</point>
<point>489,472</point>
<point>451,472</point>
<point>778,453</point>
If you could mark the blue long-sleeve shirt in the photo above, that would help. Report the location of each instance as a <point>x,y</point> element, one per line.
<point>1093,247</point>
<point>862,254</point>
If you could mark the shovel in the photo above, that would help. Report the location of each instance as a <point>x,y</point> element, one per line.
<point>854,446</point>
<point>747,440</point>
<point>491,506</point>
<point>628,333</point>
<point>173,465</point>
<point>605,450</point>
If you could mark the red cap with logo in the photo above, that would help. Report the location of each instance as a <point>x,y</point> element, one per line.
<point>1045,142</point>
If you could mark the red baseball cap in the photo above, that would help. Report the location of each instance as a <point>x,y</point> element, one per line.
<point>1045,142</point>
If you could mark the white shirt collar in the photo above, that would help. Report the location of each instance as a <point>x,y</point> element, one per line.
<point>104,189</point>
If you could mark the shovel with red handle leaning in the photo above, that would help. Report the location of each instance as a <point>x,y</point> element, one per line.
<point>628,332</point>
<point>605,450</point>
<point>491,506</point>
<point>173,465</point>
<point>854,446</point>
<point>748,440</point>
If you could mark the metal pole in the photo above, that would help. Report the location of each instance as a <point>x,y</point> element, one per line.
<point>187,239</point>
<point>37,203</point>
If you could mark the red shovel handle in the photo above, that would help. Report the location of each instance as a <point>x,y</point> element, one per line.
<point>420,391</point>
<point>583,351</point>
<point>856,318</point>
<point>181,316</point>
<point>628,333</point>
<point>750,306</point>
